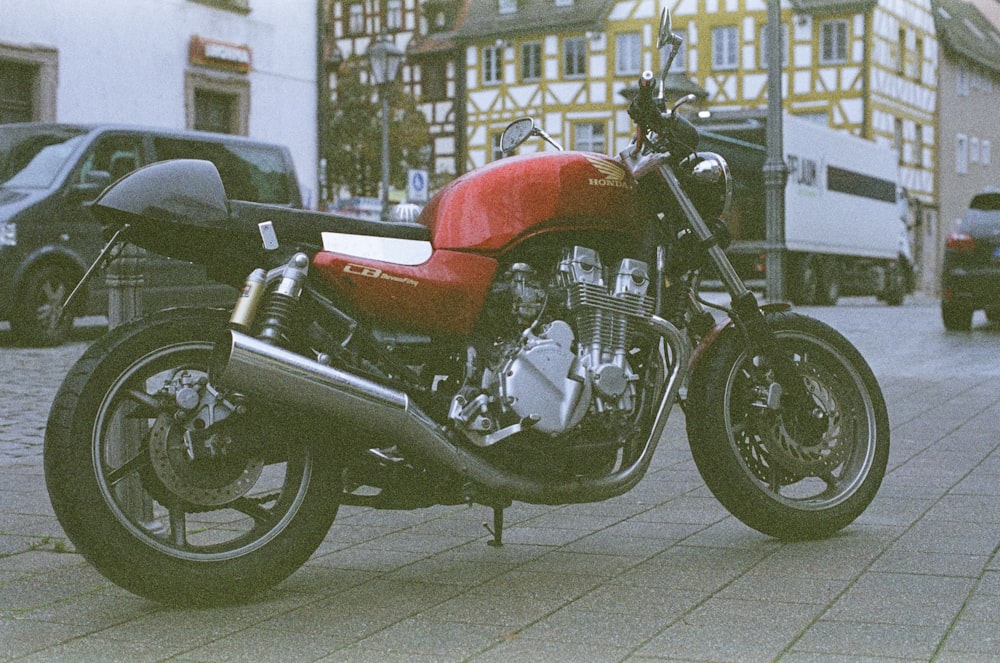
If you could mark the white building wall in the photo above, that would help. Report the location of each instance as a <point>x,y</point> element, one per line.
<point>125,61</point>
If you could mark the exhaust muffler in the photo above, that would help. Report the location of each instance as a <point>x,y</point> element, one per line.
<point>274,375</point>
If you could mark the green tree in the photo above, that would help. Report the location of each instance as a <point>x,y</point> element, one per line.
<point>354,137</point>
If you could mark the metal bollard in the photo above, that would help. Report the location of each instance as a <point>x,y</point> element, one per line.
<point>125,281</point>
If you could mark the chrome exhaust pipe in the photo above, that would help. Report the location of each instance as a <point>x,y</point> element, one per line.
<point>272,374</point>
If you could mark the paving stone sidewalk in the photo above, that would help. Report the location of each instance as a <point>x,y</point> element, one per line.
<point>659,574</point>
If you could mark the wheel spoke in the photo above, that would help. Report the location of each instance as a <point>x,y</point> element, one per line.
<point>178,527</point>
<point>134,464</point>
<point>151,407</point>
<point>260,515</point>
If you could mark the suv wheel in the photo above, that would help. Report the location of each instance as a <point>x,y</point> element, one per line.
<point>956,317</point>
<point>35,319</point>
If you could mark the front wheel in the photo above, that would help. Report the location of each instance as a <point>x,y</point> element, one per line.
<point>758,462</point>
<point>165,485</point>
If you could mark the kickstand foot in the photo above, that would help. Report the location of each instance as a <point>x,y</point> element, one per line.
<point>497,529</point>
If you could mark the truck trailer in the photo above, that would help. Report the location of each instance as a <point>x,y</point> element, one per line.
<point>845,228</point>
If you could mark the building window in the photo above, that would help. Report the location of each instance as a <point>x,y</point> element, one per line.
<point>16,84</point>
<point>492,65</point>
<point>961,154</point>
<point>215,103</point>
<point>28,81</point>
<point>394,15</point>
<point>356,19</point>
<point>962,81</point>
<point>575,57</point>
<point>588,136</point>
<point>984,149</point>
<point>898,139</point>
<point>564,3</point>
<point>783,37</point>
<point>679,65</point>
<point>434,81</point>
<point>973,150</point>
<point>508,6</point>
<point>628,53</point>
<point>531,61</point>
<point>918,59</point>
<point>901,52</point>
<point>724,47</point>
<point>833,42</point>
<point>919,146</point>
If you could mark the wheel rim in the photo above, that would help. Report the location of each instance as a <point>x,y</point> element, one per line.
<point>184,514</point>
<point>49,303</point>
<point>814,476</point>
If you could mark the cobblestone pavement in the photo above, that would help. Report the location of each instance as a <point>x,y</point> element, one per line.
<point>662,573</point>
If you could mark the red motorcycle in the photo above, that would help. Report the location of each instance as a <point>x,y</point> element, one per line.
<point>525,339</point>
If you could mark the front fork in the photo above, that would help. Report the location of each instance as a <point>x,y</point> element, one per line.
<point>748,315</point>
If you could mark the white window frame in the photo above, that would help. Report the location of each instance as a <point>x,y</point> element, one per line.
<point>679,65</point>
<point>725,47</point>
<point>585,137</point>
<point>356,18</point>
<point>763,45</point>
<point>394,15</point>
<point>628,54</point>
<point>961,154</point>
<point>526,57</point>
<point>834,36</point>
<point>570,45</point>
<point>564,3</point>
<point>492,64</point>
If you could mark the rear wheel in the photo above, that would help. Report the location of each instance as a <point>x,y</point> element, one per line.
<point>956,317</point>
<point>161,484</point>
<point>37,317</point>
<point>776,476</point>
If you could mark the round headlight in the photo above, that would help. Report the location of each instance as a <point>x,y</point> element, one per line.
<point>710,184</point>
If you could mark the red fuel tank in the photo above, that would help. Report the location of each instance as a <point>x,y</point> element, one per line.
<point>499,205</point>
<point>473,221</point>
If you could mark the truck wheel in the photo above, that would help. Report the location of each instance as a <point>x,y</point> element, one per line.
<point>829,282</point>
<point>35,318</point>
<point>895,285</point>
<point>804,292</point>
<point>956,317</point>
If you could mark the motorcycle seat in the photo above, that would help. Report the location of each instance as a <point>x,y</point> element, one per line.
<point>305,226</point>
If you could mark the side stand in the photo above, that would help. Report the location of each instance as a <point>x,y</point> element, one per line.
<point>497,529</point>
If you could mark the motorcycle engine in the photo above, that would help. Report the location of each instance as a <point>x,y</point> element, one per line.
<point>570,359</point>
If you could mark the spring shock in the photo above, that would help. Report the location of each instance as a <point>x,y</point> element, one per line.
<point>281,303</point>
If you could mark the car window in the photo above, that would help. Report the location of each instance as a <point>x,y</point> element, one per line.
<point>115,155</point>
<point>35,162</point>
<point>986,201</point>
<point>252,173</point>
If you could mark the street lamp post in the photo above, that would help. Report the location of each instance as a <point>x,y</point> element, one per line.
<point>384,60</point>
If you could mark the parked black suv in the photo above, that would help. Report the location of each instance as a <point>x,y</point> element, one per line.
<point>48,175</point>
<point>970,277</point>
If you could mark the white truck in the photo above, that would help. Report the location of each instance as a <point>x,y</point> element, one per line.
<point>844,231</point>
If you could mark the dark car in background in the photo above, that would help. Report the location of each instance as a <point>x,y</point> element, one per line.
<point>49,173</point>
<point>970,277</point>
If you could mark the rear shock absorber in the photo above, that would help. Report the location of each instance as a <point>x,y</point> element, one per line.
<point>277,315</point>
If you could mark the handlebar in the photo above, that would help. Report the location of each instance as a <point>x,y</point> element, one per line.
<point>650,115</point>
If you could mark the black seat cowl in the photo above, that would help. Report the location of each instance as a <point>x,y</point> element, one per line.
<point>305,226</point>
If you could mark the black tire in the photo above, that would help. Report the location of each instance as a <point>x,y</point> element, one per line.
<point>830,276</point>
<point>895,287</point>
<point>211,532</point>
<point>35,317</point>
<point>804,292</point>
<point>751,461</point>
<point>956,317</point>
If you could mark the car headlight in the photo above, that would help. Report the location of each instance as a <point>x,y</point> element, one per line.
<point>8,234</point>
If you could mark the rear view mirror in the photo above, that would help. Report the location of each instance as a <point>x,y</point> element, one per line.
<point>516,133</point>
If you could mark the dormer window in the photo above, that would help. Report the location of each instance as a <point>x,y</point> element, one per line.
<point>508,6</point>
